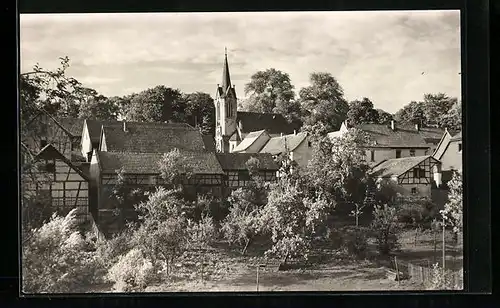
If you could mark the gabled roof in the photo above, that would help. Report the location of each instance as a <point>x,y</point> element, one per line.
<point>273,123</point>
<point>94,126</point>
<point>147,163</point>
<point>280,144</point>
<point>209,142</point>
<point>397,166</point>
<point>445,141</point>
<point>50,152</point>
<point>402,136</point>
<point>152,137</point>
<point>237,161</point>
<point>72,125</point>
<point>250,138</point>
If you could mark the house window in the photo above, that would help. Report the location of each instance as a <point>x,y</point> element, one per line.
<point>421,173</point>
<point>398,153</point>
<point>460,147</point>
<point>413,190</point>
<point>43,143</point>
<point>412,152</point>
<point>244,175</point>
<point>309,144</point>
<point>372,155</point>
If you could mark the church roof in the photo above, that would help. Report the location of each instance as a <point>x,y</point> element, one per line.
<point>237,161</point>
<point>273,123</point>
<point>226,78</point>
<point>279,145</point>
<point>209,142</point>
<point>147,163</point>
<point>152,137</point>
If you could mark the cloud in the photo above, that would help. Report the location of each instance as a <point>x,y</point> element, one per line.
<point>377,54</point>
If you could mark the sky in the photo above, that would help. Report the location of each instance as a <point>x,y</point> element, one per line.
<point>391,57</point>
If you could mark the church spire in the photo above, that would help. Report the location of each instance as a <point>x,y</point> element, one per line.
<point>226,79</point>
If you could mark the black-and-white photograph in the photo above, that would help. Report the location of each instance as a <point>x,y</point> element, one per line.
<point>241,152</point>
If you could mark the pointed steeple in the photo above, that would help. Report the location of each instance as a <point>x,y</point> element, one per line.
<point>226,79</point>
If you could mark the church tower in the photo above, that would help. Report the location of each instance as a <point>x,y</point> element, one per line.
<point>225,110</point>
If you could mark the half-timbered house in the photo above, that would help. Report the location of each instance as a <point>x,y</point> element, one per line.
<point>53,180</point>
<point>412,175</point>
<point>236,173</point>
<point>63,133</point>
<point>394,141</point>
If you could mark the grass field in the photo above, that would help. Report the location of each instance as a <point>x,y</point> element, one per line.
<point>222,269</point>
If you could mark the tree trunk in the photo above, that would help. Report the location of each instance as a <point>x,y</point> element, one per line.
<point>246,246</point>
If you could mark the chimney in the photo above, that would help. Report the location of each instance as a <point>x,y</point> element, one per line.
<point>446,129</point>
<point>417,127</point>
<point>393,126</point>
<point>281,135</point>
<point>125,126</point>
<point>294,132</point>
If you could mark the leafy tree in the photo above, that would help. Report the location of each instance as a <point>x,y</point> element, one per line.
<point>53,91</point>
<point>361,111</point>
<point>174,167</point>
<point>436,106</point>
<point>411,114</point>
<point>292,218</point>
<point>200,111</point>
<point>384,117</point>
<point>156,104</point>
<point>385,227</point>
<point>242,224</point>
<point>453,209</point>
<point>269,91</point>
<point>324,101</point>
<point>100,108</point>
<point>57,259</point>
<point>453,118</point>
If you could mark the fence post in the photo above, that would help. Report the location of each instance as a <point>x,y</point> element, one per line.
<point>444,247</point>
<point>397,270</point>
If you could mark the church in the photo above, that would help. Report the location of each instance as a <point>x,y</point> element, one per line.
<point>232,126</point>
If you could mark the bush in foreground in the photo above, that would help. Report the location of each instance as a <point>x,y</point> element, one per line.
<point>56,258</point>
<point>132,272</point>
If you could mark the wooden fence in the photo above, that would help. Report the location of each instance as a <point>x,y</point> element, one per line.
<point>423,274</point>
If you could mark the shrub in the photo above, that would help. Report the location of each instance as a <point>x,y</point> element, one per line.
<point>108,251</point>
<point>355,240</point>
<point>202,233</point>
<point>444,280</point>
<point>132,272</point>
<point>385,228</point>
<point>56,258</point>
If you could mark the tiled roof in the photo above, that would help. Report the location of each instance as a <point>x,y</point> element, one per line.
<point>72,125</point>
<point>152,137</point>
<point>279,144</point>
<point>209,142</point>
<point>147,163</point>
<point>403,136</point>
<point>94,126</point>
<point>237,161</point>
<point>396,166</point>
<point>250,138</point>
<point>271,122</point>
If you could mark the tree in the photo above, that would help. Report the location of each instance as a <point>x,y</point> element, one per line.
<point>324,101</point>
<point>385,227</point>
<point>156,104</point>
<point>268,90</point>
<point>292,218</point>
<point>453,209</point>
<point>412,113</point>
<point>174,166</point>
<point>100,108</point>
<point>361,111</point>
<point>453,118</point>
<point>53,91</point>
<point>200,111</point>
<point>437,106</point>
<point>242,224</point>
<point>384,117</point>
